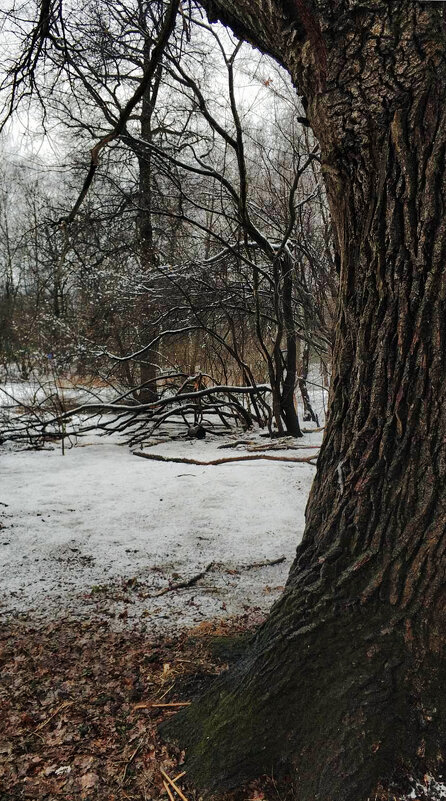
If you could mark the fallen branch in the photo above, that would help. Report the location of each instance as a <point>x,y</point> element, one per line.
<point>173,704</point>
<point>129,762</point>
<point>265,563</point>
<point>180,585</point>
<point>236,444</point>
<point>250,458</point>
<point>273,446</point>
<point>174,785</point>
<point>313,430</point>
<point>282,446</point>
<point>102,406</point>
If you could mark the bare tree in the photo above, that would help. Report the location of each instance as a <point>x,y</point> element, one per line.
<point>260,242</point>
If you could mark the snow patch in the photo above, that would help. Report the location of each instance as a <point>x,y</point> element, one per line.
<point>98,531</point>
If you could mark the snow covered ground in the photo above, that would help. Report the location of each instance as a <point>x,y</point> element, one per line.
<point>34,392</point>
<point>99,532</point>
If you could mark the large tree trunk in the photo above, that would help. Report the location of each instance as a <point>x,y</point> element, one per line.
<point>346,680</point>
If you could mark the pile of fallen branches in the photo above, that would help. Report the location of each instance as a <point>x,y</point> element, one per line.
<point>182,404</point>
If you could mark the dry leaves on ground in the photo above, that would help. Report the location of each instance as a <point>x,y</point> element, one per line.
<point>78,717</point>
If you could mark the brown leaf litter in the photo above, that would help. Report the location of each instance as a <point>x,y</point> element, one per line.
<point>81,704</point>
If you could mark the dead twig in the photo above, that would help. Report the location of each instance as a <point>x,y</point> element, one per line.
<point>174,785</point>
<point>56,712</point>
<point>173,704</point>
<point>129,762</point>
<point>167,691</point>
<point>182,584</point>
<point>169,791</point>
<point>150,705</point>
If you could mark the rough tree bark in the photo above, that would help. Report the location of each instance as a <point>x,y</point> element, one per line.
<point>346,680</point>
<point>309,413</point>
<point>288,408</point>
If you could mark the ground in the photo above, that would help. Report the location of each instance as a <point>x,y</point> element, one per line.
<point>96,626</point>
<point>78,699</point>
<point>100,532</point>
<point>125,584</point>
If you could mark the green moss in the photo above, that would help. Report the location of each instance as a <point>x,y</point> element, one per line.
<point>228,648</point>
